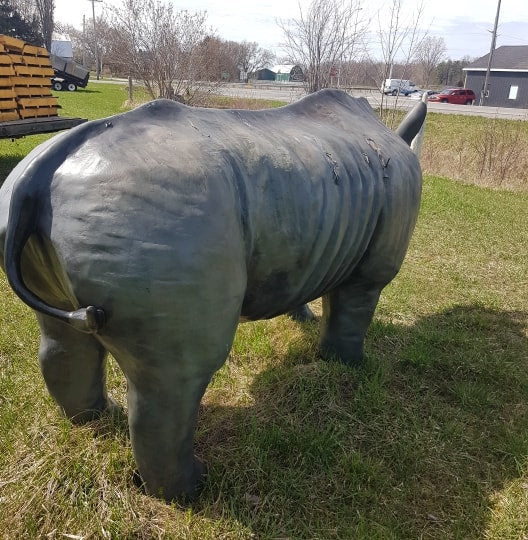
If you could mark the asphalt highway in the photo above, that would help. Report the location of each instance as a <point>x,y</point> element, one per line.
<point>291,93</point>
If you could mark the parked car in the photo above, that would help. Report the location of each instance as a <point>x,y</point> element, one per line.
<point>395,86</point>
<point>459,96</point>
<point>419,93</point>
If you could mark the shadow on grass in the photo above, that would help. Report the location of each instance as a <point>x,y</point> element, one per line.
<point>80,90</point>
<point>413,443</point>
<point>7,164</point>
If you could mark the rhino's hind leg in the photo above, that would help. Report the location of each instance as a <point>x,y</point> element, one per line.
<point>162,419</point>
<point>167,378</point>
<point>73,366</point>
<point>347,313</point>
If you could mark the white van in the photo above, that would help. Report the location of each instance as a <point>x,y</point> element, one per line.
<point>395,86</point>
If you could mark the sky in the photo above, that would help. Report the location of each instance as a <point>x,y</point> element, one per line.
<point>465,25</point>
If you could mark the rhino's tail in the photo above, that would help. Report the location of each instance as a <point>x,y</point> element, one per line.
<point>22,223</point>
<point>411,128</point>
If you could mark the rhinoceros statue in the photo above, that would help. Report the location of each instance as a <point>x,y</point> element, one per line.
<point>152,234</point>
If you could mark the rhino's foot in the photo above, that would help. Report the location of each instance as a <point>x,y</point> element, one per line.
<point>108,407</point>
<point>113,408</point>
<point>183,491</point>
<point>161,418</point>
<point>302,314</point>
<point>350,352</point>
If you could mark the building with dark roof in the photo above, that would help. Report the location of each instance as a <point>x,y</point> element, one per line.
<point>508,80</point>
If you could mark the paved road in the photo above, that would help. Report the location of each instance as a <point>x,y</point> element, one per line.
<point>292,92</point>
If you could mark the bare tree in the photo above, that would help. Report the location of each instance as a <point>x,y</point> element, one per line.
<point>428,56</point>
<point>321,38</point>
<point>160,46</point>
<point>109,45</point>
<point>251,58</point>
<point>399,36</point>
<point>26,8</point>
<point>45,10</point>
<point>220,59</point>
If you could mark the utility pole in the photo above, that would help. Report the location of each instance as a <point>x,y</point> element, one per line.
<point>97,66</point>
<point>485,92</point>
<point>84,42</point>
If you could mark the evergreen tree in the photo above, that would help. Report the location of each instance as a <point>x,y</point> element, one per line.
<point>13,24</point>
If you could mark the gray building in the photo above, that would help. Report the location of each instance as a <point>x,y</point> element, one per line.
<point>508,80</point>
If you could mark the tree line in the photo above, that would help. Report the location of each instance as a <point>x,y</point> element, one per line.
<point>171,50</point>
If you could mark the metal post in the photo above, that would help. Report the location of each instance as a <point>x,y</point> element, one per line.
<point>484,92</point>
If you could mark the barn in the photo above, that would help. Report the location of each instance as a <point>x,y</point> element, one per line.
<point>288,73</point>
<point>264,74</point>
<point>508,80</point>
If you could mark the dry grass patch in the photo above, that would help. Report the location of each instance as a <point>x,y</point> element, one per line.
<point>488,152</point>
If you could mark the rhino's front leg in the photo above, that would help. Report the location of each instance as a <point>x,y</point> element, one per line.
<point>162,417</point>
<point>73,366</point>
<point>347,313</point>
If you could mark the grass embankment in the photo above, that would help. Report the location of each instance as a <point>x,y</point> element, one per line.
<point>488,152</point>
<point>429,438</point>
<point>477,150</point>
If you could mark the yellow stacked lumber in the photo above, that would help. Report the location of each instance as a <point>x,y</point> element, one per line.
<point>8,104</point>
<point>12,44</point>
<point>26,71</point>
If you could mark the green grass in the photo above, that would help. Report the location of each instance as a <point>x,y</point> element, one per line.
<point>428,438</point>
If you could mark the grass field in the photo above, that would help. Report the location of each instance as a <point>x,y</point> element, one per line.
<point>427,439</point>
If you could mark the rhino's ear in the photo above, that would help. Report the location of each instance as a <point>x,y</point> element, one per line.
<point>413,121</point>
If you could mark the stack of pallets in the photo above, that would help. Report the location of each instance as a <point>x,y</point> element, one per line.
<point>25,81</point>
<point>8,105</point>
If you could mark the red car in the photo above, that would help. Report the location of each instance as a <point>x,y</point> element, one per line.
<point>459,96</point>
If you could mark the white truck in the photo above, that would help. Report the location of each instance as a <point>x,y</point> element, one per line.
<point>398,86</point>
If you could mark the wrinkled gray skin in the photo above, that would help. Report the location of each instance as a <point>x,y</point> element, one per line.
<point>173,224</point>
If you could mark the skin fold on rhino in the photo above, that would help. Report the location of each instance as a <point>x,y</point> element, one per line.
<point>153,233</point>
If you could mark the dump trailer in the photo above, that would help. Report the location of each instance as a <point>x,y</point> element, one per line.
<point>27,105</point>
<point>68,74</point>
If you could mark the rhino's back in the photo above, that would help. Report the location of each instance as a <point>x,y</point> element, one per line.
<point>285,199</point>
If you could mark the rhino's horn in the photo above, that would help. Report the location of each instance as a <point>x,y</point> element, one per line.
<point>413,121</point>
